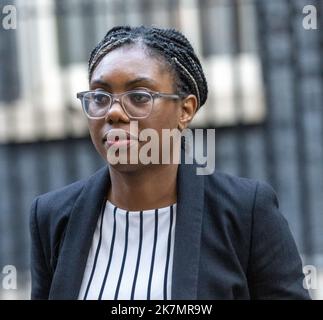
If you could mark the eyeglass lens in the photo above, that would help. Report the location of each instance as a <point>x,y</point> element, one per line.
<point>136,104</point>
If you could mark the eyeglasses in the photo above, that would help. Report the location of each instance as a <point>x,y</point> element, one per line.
<point>137,104</point>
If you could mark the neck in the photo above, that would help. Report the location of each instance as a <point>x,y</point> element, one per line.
<point>149,188</point>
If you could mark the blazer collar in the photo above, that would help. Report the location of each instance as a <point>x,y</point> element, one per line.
<point>72,259</point>
<point>190,205</point>
<point>71,264</point>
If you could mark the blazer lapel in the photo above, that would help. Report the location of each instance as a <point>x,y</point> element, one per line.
<point>78,238</point>
<point>190,203</point>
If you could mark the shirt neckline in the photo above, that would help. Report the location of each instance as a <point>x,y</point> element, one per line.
<point>111,206</point>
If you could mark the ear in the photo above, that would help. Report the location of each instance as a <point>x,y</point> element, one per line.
<point>188,110</point>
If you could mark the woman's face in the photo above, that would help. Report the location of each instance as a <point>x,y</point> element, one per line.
<point>128,68</point>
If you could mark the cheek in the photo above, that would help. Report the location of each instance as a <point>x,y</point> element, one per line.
<point>93,128</point>
<point>167,117</point>
<point>163,119</point>
<point>95,133</point>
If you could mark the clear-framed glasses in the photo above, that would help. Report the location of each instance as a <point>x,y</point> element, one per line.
<point>137,104</point>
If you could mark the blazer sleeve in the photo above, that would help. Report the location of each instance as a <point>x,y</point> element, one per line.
<point>40,272</point>
<point>275,267</point>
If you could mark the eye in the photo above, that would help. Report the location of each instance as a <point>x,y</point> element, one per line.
<point>100,99</point>
<point>139,97</point>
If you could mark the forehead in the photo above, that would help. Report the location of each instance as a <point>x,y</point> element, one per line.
<point>130,62</point>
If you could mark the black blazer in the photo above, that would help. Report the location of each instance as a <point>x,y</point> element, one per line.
<point>231,241</point>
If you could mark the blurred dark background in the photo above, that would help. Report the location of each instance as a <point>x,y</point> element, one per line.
<point>265,74</point>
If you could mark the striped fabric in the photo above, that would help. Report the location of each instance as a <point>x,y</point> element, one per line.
<point>131,256</point>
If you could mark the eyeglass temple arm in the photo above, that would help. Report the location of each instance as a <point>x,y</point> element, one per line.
<point>167,95</point>
<point>80,95</point>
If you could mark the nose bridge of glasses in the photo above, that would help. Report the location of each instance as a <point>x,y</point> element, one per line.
<point>116,98</point>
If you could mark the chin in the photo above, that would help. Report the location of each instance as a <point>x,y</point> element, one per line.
<point>127,168</point>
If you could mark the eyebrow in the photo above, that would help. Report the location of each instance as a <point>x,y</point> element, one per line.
<point>127,84</point>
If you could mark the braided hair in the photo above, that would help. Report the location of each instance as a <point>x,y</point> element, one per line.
<point>167,44</point>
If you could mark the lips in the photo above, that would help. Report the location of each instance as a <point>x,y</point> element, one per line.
<point>118,137</point>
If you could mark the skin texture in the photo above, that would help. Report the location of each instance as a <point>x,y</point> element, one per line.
<point>137,186</point>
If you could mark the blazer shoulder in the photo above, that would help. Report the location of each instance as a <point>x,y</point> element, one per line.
<point>233,184</point>
<point>239,193</point>
<point>233,180</point>
<point>62,197</point>
<point>57,204</point>
<point>51,210</point>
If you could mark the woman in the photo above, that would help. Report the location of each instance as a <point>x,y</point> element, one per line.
<point>156,231</point>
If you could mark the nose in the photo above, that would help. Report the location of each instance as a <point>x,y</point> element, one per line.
<point>116,113</point>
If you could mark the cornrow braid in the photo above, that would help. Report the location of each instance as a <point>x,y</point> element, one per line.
<point>192,79</point>
<point>103,50</point>
<point>167,44</point>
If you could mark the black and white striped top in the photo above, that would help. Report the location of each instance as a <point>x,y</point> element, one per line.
<point>131,256</point>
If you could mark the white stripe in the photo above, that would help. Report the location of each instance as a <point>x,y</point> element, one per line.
<point>170,267</point>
